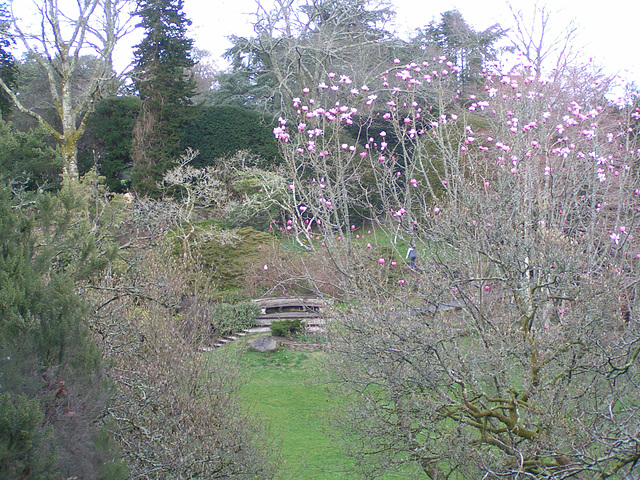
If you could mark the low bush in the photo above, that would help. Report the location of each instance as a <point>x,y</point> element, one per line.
<point>285,328</point>
<point>233,318</point>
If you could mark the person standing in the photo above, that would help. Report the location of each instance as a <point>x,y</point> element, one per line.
<point>411,255</point>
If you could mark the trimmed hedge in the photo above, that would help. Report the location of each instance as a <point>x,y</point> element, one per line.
<point>222,130</point>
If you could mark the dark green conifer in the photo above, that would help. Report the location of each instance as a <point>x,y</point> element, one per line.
<point>163,79</point>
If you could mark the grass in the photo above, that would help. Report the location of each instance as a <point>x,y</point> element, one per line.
<point>286,389</point>
<point>283,388</point>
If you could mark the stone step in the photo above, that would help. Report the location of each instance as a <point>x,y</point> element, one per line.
<point>285,315</point>
<point>260,329</point>
<point>308,321</point>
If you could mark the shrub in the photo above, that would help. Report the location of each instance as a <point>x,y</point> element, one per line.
<point>285,328</point>
<point>228,318</point>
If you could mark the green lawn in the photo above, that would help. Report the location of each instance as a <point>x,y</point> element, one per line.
<point>286,389</point>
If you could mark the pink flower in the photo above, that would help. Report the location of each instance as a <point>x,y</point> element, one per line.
<point>381,261</point>
<point>401,282</point>
<point>259,247</point>
<point>368,245</point>
<point>353,227</point>
<point>486,287</point>
<point>265,268</point>
<point>393,264</point>
<point>322,245</point>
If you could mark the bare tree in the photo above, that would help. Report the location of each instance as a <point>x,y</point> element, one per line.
<point>536,37</point>
<point>176,409</point>
<point>58,43</point>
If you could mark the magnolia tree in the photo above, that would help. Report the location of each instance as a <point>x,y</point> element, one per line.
<point>511,348</point>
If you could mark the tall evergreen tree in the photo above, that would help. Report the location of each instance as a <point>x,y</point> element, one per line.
<point>468,49</point>
<point>163,78</point>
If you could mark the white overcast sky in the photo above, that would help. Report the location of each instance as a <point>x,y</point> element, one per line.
<point>609,30</point>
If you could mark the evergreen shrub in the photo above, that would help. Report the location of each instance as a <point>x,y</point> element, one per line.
<point>286,328</point>
<point>229,319</point>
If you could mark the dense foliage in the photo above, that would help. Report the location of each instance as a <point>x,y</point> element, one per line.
<point>27,159</point>
<point>508,348</point>
<point>53,386</point>
<point>221,131</point>
<point>162,60</point>
<point>107,144</point>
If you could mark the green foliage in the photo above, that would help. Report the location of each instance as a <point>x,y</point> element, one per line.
<point>110,134</point>
<point>49,363</point>
<point>222,130</point>
<point>161,60</point>
<point>28,158</point>
<point>163,54</point>
<point>229,263</point>
<point>468,49</point>
<point>286,328</point>
<point>233,318</point>
<point>23,449</point>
